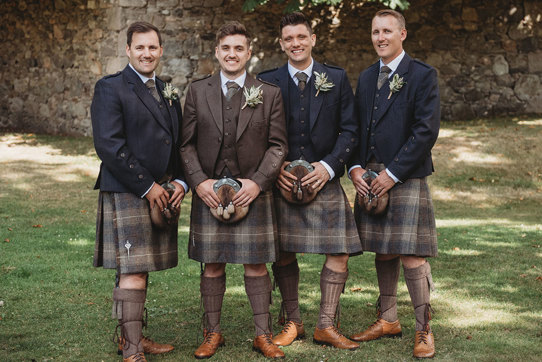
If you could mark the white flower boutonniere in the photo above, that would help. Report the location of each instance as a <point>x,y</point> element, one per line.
<point>253,96</point>
<point>170,93</point>
<point>396,84</point>
<point>321,84</point>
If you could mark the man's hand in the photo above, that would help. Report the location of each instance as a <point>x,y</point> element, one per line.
<point>382,183</point>
<point>317,178</point>
<point>178,196</point>
<point>249,191</point>
<point>157,196</point>
<point>284,181</point>
<point>207,194</point>
<point>360,185</point>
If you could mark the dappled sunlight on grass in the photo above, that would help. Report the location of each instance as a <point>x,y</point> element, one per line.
<point>80,242</point>
<point>534,122</point>
<point>477,313</point>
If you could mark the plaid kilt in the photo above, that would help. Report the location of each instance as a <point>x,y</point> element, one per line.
<point>124,221</point>
<point>252,240</point>
<point>324,226</point>
<point>407,228</point>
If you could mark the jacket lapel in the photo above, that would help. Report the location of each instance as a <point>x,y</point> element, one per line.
<point>245,114</point>
<point>214,99</point>
<point>171,109</point>
<point>282,82</point>
<point>316,102</point>
<point>402,70</point>
<point>371,89</point>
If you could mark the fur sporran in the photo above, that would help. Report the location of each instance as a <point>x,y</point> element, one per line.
<point>169,216</point>
<point>372,204</point>
<point>226,211</point>
<point>299,194</point>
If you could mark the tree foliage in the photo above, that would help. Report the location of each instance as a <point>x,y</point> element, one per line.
<point>296,5</point>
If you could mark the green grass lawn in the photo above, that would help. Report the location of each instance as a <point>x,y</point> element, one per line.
<point>487,191</point>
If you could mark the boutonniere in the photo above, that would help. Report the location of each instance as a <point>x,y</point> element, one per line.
<point>396,84</point>
<point>321,84</point>
<point>170,93</point>
<point>253,96</point>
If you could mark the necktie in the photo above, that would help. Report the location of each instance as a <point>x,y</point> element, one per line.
<point>152,88</point>
<point>302,77</point>
<point>383,76</point>
<point>232,89</point>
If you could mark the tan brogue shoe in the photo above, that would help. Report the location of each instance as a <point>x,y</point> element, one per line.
<point>379,329</point>
<point>149,346</point>
<point>331,336</point>
<point>290,332</point>
<point>265,346</point>
<point>424,345</point>
<point>210,344</point>
<point>138,357</point>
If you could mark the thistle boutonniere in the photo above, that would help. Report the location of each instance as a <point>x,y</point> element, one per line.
<point>396,84</point>
<point>253,96</point>
<point>170,93</point>
<point>321,84</point>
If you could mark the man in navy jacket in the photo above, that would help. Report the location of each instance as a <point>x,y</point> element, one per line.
<point>397,105</point>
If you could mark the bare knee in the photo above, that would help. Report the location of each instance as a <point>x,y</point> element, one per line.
<point>133,281</point>
<point>214,270</point>
<point>255,270</point>
<point>337,263</point>
<point>411,262</point>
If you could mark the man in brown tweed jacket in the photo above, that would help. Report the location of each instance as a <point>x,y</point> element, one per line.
<point>223,135</point>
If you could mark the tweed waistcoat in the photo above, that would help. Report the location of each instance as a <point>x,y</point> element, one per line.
<point>299,140</point>
<point>227,163</point>
<point>378,101</point>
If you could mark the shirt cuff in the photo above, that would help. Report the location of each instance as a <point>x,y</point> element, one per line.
<point>329,170</point>
<point>351,168</point>
<point>392,176</point>
<point>184,185</point>
<point>146,192</point>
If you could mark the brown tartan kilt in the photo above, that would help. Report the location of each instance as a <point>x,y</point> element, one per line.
<point>123,218</point>
<point>252,240</point>
<point>324,226</point>
<point>407,228</point>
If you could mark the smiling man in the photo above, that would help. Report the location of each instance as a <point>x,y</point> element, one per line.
<point>318,103</point>
<point>227,135</point>
<point>136,135</point>
<point>398,110</point>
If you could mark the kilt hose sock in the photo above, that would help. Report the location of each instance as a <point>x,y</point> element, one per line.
<point>287,278</point>
<point>387,273</point>
<point>331,287</point>
<point>128,306</point>
<point>258,291</point>
<point>212,294</point>
<point>419,282</point>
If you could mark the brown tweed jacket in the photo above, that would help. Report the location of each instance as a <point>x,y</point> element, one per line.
<point>261,141</point>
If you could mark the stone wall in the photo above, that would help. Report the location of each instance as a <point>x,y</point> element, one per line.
<point>488,53</point>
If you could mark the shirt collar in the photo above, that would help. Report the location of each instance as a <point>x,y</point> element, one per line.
<point>142,77</point>
<point>239,80</point>
<point>293,71</point>
<point>394,63</point>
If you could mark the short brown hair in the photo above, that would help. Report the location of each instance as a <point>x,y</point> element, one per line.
<point>294,18</point>
<point>141,27</point>
<point>397,15</point>
<point>232,28</point>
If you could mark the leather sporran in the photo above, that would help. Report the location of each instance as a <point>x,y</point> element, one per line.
<point>372,204</point>
<point>226,211</point>
<point>169,216</point>
<point>299,194</point>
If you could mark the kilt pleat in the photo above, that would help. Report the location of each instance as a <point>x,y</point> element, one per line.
<point>407,228</point>
<point>124,229</point>
<point>252,240</point>
<point>324,226</point>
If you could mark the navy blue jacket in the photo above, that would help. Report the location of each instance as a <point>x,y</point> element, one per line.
<point>333,129</point>
<point>132,137</point>
<point>408,123</point>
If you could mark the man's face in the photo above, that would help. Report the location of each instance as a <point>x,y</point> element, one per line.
<point>145,52</point>
<point>233,54</point>
<point>297,42</point>
<point>387,37</point>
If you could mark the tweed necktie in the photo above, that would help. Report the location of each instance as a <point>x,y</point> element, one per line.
<point>152,88</point>
<point>383,76</point>
<point>232,89</point>
<point>302,77</point>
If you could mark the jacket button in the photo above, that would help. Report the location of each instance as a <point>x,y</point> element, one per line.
<point>372,147</point>
<point>353,139</point>
<point>374,121</point>
<point>302,108</point>
<point>185,161</point>
<point>376,108</point>
<point>131,165</point>
<point>302,147</point>
<point>182,149</point>
<point>396,159</point>
<point>274,165</point>
<point>122,155</point>
<point>341,160</point>
<point>280,153</point>
<point>167,142</point>
<point>348,150</point>
<point>140,177</point>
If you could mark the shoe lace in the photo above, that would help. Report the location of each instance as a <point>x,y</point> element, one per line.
<point>209,337</point>
<point>423,337</point>
<point>287,327</point>
<point>139,357</point>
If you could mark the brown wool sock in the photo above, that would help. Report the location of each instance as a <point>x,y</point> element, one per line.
<point>128,306</point>
<point>258,291</point>
<point>331,287</point>
<point>419,282</point>
<point>212,294</point>
<point>387,272</point>
<point>287,278</point>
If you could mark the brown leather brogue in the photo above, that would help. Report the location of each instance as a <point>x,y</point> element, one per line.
<point>149,346</point>
<point>379,329</point>
<point>424,345</point>
<point>265,346</point>
<point>211,343</point>
<point>331,336</point>
<point>137,357</point>
<point>289,333</point>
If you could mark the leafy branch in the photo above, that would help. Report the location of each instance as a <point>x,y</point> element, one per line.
<point>296,5</point>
